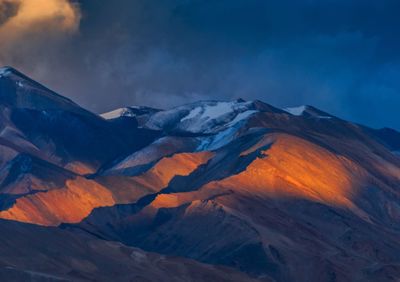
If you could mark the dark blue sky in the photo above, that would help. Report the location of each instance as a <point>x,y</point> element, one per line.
<point>340,56</point>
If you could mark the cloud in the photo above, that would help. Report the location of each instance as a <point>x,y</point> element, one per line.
<point>30,24</point>
<point>21,16</point>
<point>7,10</point>
<point>341,56</point>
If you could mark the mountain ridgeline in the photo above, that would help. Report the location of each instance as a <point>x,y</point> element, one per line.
<point>212,190</point>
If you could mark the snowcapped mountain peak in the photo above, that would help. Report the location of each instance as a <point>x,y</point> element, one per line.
<point>202,117</point>
<point>20,91</point>
<point>15,75</point>
<point>215,109</point>
<point>245,168</point>
<point>4,71</point>
<point>117,113</point>
<point>11,73</point>
<point>296,111</point>
<point>240,100</point>
<point>132,111</point>
<point>308,111</point>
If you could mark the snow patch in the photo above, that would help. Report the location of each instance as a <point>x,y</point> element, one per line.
<point>205,117</point>
<point>213,116</point>
<point>296,111</point>
<point>209,112</point>
<point>117,113</point>
<point>299,111</point>
<point>138,256</point>
<point>221,108</point>
<point>241,116</point>
<point>193,113</point>
<point>4,71</point>
<point>131,111</point>
<point>113,114</point>
<point>218,140</point>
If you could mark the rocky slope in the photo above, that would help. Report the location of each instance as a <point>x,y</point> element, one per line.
<point>32,253</point>
<point>291,194</point>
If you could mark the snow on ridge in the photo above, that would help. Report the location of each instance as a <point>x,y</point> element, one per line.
<point>198,117</point>
<point>217,140</point>
<point>221,108</point>
<point>4,71</point>
<point>131,111</point>
<point>310,111</point>
<point>241,116</point>
<point>208,112</point>
<point>215,110</point>
<point>296,111</point>
<point>212,116</point>
<point>115,113</point>
<point>193,114</point>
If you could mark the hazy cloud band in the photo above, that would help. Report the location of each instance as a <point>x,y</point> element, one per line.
<point>342,56</point>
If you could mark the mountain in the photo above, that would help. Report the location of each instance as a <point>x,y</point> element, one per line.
<point>220,190</point>
<point>40,122</point>
<point>32,253</point>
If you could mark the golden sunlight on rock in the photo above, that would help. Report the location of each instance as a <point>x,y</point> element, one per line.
<point>291,168</point>
<point>80,196</point>
<point>296,168</point>
<point>129,189</point>
<point>167,201</point>
<point>67,205</point>
<point>179,164</point>
<point>80,168</point>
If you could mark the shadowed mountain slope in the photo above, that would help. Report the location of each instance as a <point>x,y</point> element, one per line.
<point>32,253</point>
<point>291,194</point>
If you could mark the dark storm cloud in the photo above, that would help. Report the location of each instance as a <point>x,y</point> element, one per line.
<point>7,10</point>
<point>341,56</point>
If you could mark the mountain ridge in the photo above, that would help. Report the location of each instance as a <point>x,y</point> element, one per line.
<point>276,194</point>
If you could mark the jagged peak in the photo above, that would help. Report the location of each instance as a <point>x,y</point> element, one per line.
<point>15,75</point>
<point>131,111</point>
<point>307,111</point>
<point>240,100</point>
<point>204,116</point>
<point>19,90</point>
<point>6,70</point>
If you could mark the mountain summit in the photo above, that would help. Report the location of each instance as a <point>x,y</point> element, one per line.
<point>217,190</point>
<point>18,90</point>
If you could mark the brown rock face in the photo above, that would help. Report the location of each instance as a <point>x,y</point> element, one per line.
<point>294,202</point>
<point>218,191</point>
<point>80,196</point>
<point>33,253</point>
<point>69,204</point>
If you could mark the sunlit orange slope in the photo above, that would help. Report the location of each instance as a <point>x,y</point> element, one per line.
<point>80,196</point>
<point>297,203</point>
<point>294,167</point>
<point>69,204</point>
<point>291,168</point>
<point>129,189</point>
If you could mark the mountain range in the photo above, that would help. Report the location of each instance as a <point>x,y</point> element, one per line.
<point>211,190</point>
